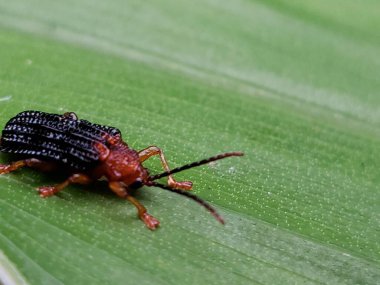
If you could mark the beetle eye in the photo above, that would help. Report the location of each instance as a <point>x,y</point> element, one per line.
<point>136,184</point>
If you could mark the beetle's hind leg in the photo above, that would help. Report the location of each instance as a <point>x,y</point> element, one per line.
<point>151,222</point>
<point>78,178</point>
<point>154,150</point>
<point>31,162</point>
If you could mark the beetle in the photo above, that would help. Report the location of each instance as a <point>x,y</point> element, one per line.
<point>89,152</point>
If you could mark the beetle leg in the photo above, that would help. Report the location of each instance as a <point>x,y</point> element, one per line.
<point>150,221</point>
<point>32,162</point>
<point>46,191</point>
<point>154,150</point>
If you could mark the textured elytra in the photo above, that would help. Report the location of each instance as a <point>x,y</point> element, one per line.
<point>60,138</point>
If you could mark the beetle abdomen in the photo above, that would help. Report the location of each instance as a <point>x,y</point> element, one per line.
<point>61,138</point>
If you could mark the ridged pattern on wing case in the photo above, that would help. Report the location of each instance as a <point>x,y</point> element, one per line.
<point>55,138</point>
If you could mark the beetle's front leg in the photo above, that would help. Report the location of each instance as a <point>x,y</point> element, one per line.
<point>151,222</point>
<point>154,150</point>
<point>78,178</point>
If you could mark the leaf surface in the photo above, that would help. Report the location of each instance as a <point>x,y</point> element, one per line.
<point>294,85</point>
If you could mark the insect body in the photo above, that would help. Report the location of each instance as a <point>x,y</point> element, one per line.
<point>90,151</point>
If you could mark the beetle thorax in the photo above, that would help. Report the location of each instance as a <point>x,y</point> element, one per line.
<point>123,164</point>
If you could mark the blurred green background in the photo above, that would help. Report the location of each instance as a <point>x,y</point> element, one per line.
<point>293,84</point>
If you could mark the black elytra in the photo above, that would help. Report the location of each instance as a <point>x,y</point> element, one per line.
<point>60,138</point>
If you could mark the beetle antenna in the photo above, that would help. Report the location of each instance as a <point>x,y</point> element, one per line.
<point>195,164</point>
<point>191,196</point>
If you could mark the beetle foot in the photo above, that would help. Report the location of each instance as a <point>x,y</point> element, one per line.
<point>183,185</point>
<point>151,222</point>
<point>47,191</point>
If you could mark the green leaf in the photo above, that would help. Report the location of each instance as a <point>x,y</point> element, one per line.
<point>293,84</point>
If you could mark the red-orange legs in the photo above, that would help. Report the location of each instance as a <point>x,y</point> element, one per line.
<point>151,222</point>
<point>153,150</point>
<point>32,162</point>
<point>46,191</point>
